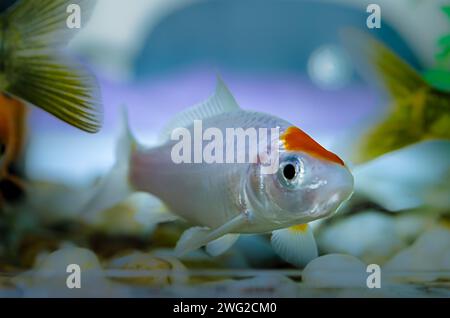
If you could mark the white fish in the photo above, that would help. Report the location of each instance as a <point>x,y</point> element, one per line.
<point>223,200</point>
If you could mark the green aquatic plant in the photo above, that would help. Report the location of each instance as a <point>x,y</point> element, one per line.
<point>440,75</point>
<point>444,43</point>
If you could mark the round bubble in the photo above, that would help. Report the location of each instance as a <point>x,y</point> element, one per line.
<point>329,67</point>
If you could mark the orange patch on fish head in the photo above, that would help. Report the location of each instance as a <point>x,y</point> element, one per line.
<point>295,139</point>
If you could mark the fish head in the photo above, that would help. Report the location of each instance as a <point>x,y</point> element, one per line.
<point>310,182</point>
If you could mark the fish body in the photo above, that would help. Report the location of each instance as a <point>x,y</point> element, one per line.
<point>155,172</point>
<point>211,194</point>
<point>223,198</point>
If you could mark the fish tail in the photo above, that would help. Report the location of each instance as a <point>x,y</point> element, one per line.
<point>115,186</point>
<point>127,143</point>
<point>33,69</point>
<point>125,148</point>
<point>416,106</point>
<point>116,197</point>
<point>381,66</point>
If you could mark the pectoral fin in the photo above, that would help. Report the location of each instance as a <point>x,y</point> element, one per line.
<point>197,237</point>
<point>221,245</point>
<point>296,245</point>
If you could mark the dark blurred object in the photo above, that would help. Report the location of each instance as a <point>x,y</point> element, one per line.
<point>13,115</point>
<point>5,4</point>
<point>253,35</point>
<point>11,191</point>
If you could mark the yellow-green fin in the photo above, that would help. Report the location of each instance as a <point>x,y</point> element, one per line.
<point>34,69</point>
<point>376,61</point>
<point>417,110</point>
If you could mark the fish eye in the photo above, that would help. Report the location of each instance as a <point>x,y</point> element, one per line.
<point>291,170</point>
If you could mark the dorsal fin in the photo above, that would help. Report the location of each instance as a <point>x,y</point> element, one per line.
<point>221,102</point>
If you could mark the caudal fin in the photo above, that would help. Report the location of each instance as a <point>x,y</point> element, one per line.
<point>115,186</point>
<point>32,67</point>
<point>417,110</point>
<point>380,65</point>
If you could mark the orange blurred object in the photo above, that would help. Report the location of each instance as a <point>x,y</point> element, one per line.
<point>13,115</point>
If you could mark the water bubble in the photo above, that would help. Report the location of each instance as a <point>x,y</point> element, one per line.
<point>329,67</point>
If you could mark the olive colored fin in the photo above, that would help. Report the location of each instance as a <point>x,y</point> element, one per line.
<point>33,69</point>
<point>376,61</point>
<point>418,110</point>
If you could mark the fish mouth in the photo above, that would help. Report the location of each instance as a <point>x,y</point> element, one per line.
<point>343,184</point>
<point>335,200</point>
<point>334,197</point>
